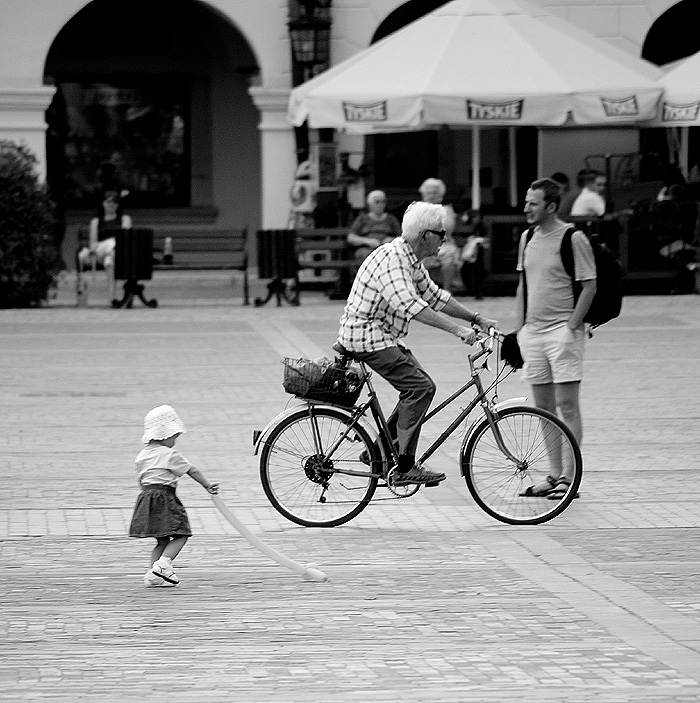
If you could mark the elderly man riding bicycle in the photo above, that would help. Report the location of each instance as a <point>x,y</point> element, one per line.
<point>392,287</point>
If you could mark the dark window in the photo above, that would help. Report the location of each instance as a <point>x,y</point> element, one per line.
<point>404,160</point>
<point>526,145</point>
<point>123,134</point>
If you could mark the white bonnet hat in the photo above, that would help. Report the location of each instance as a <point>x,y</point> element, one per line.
<point>160,423</point>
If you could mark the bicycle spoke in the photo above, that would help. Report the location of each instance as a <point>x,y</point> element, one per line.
<point>302,466</point>
<point>542,446</point>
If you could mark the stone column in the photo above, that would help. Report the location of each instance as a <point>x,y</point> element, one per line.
<point>22,119</point>
<point>278,155</point>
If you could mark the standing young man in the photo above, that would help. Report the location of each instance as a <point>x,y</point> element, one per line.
<point>392,288</point>
<point>591,200</point>
<point>550,323</point>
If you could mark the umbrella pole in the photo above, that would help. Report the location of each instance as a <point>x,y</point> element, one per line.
<point>683,152</point>
<point>513,167</point>
<point>476,162</point>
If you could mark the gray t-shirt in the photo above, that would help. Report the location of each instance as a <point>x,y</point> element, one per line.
<point>550,296</point>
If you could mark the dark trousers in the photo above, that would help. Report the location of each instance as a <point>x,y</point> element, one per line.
<point>416,391</point>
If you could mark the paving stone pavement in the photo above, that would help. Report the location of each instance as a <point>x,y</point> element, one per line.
<point>429,599</point>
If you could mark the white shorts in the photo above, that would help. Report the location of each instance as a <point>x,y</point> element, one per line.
<point>552,357</point>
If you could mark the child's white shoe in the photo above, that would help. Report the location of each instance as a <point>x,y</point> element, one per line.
<point>150,580</point>
<point>163,568</point>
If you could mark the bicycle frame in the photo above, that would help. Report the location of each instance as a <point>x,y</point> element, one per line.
<point>321,462</point>
<point>384,435</point>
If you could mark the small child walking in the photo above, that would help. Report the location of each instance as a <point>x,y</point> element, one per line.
<point>158,512</point>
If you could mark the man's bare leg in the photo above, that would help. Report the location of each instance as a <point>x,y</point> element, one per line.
<point>561,399</point>
<point>567,400</point>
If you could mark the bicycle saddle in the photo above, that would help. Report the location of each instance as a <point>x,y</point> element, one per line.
<point>340,349</point>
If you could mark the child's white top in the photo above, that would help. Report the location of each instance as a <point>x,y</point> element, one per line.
<point>157,464</point>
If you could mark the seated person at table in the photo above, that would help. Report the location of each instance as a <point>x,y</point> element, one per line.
<point>371,229</point>
<point>109,216</point>
<point>590,201</point>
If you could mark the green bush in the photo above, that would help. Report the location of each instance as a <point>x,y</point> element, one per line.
<point>29,257</point>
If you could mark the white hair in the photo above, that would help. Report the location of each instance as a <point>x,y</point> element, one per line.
<point>375,195</point>
<point>430,183</point>
<point>420,216</point>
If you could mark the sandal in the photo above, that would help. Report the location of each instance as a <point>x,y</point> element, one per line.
<point>559,491</point>
<point>543,490</point>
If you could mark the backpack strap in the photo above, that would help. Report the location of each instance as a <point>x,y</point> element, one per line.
<point>566,251</point>
<point>528,237</point>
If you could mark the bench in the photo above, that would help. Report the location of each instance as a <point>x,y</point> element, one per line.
<point>333,252</point>
<point>217,249</point>
<point>225,250</point>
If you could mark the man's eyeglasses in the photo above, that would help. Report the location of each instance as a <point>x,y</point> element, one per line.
<point>440,233</point>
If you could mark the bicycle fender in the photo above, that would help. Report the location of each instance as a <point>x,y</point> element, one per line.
<point>259,437</point>
<point>511,401</point>
<point>499,406</point>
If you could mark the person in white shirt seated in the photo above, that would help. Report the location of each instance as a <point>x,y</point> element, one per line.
<point>591,201</point>
<point>109,216</point>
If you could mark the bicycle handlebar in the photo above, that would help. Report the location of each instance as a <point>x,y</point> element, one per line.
<point>484,341</point>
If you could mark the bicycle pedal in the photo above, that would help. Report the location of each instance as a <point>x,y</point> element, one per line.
<point>432,484</point>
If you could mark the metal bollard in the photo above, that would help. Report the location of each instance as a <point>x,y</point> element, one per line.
<point>81,290</point>
<point>168,251</point>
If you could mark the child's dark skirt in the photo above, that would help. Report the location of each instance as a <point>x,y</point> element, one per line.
<point>159,513</point>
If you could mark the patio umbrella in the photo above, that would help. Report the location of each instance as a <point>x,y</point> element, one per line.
<point>476,63</point>
<point>680,105</point>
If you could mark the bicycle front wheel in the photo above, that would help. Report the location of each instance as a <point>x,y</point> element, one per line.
<point>538,444</point>
<point>305,482</point>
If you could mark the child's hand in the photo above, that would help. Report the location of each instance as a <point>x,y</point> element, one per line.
<point>213,488</point>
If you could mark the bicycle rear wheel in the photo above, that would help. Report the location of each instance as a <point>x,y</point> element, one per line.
<point>541,444</point>
<point>303,483</point>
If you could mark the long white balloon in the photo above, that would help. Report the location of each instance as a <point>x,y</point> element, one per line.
<point>308,571</point>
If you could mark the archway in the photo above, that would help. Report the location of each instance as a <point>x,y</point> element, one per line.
<point>144,92</point>
<point>680,23</point>
<point>402,161</point>
<point>405,14</point>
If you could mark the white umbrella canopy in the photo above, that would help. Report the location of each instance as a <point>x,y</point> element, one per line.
<point>480,62</point>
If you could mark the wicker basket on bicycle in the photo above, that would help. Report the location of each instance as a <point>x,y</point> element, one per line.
<point>322,380</point>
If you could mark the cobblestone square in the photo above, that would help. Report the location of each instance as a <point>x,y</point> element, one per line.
<point>429,599</point>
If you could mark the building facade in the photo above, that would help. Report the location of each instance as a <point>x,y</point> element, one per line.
<point>183,103</point>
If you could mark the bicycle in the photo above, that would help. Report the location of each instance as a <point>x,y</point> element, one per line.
<point>322,461</point>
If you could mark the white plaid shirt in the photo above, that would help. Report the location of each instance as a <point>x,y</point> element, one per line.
<point>390,288</point>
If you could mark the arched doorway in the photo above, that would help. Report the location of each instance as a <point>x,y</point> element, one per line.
<point>401,161</point>
<point>672,37</point>
<point>153,97</point>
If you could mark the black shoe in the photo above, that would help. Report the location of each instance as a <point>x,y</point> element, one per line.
<point>416,476</point>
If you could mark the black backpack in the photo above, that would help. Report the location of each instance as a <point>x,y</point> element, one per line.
<point>607,302</point>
